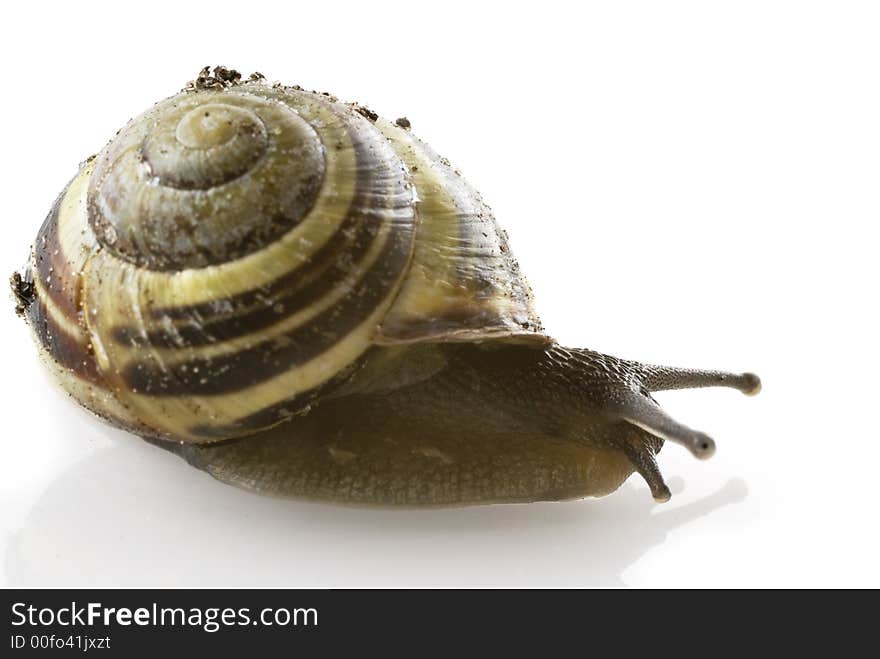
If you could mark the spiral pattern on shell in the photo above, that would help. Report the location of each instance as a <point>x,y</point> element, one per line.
<point>232,253</point>
<point>205,179</point>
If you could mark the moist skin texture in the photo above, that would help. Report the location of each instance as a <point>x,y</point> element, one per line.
<point>471,424</point>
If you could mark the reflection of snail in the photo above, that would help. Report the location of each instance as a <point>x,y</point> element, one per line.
<point>303,299</point>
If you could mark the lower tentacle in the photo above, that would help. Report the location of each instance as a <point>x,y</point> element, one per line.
<point>639,448</point>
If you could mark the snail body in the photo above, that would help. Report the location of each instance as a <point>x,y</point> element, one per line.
<point>303,299</point>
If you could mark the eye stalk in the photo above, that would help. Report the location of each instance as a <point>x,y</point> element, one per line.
<point>662,378</point>
<point>750,384</point>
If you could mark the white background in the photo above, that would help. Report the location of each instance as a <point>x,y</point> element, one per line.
<point>692,183</point>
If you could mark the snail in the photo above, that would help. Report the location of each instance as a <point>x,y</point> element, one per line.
<point>304,300</point>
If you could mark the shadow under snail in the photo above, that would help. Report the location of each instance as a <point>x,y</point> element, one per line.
<point>304,300</point>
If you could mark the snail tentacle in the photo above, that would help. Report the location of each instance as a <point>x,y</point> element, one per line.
<point>641,455</point>
<point>642,412</point>
<point>663,378</point>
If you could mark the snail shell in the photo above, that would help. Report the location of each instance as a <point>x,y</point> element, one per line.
<point>243,252</point>
<point>232,253</point>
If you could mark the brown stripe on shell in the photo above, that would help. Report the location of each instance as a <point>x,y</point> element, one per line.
<point>268,358</point>
<point>67,351</point>
<point>246,368</point>
<point>61,287</point>
<point>270,310</point>
<point>274,414</point>
<point>254,310</point>
<point>321,260</point>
